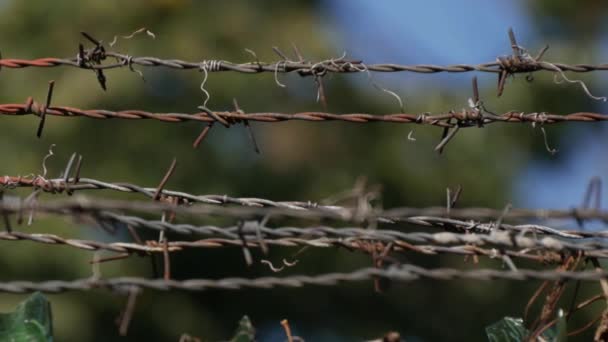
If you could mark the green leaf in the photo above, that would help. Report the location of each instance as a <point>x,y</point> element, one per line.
<point>561,330</point>
<point>245,331</point>
<point>508,329</point>
<point>30,322</point>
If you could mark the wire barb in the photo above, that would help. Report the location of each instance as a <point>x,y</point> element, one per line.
<point>45,108</point>
<point>163,182</point>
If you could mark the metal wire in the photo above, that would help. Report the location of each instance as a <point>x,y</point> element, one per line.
<point>59,185</point>
<point>494,236</point>
<point>304,68</point>
<point>359,244</point>
<point>464,234</point>
<point>70,185</point>
<point>350,238</point>
<point>100,210</point>
<point>463,118</point>
<point>404,273</point>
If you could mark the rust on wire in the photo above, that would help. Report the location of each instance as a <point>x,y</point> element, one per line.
<point>466,118</point>
<point>444,230</point>
<point>165,179</point>
<point>88,59</point>
<point>202,135</point>
<point>247,126</point>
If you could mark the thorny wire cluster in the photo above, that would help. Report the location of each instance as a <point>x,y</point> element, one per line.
<point>519,62</point>
<point>462,235</point>
<point>467,238</point>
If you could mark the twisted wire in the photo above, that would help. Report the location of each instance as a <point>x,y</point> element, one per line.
<point>350,238</point>
<point>463,118</point>
<point>70,185</point>
<point>100,210</point>
<point>305,68</point>
<point>59,185</point>
<point>493,237</point>
<point>404,273</point>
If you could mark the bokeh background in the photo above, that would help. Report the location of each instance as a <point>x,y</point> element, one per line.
<point>495,165</point>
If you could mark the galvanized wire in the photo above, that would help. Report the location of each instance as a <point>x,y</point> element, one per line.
<point>494,236</point>
<point>60,185</point>
<point>404,273</point>
<point>349,238</point>
<point>362,244</point>
<point>393,215</point>
<point>101,210</point>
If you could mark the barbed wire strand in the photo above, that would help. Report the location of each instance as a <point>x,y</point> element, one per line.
<point>519,62</point>
<point>70,185</point>
<point>101,210</point>
<point>466,118</point>
<point>350,239</point>
<point>306,68</point>
<point>495,237</point>
<point>403,273</point>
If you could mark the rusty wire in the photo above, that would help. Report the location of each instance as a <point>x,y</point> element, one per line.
<point>71,185</point>
<point>465,235</point>
<point>402,273</point>
<point>464,118</point>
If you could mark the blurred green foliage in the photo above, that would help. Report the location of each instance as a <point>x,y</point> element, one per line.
<point>245,332</point>
<point>31,321</point>
<point>299,161</point>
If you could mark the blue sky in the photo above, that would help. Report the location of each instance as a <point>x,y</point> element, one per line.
<point>422,31</point>
<point>465,31</point>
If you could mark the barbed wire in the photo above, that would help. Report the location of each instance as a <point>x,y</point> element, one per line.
<point>101,210</point>
<point>464,118</point>
<point>520,61</point>
<point>494,236</point>
<point>70,185</point>
<point>60,185</point>
<point>403,273</point>
<point>348,238</point>
<point>303,68</point>
<point>362,244</point>
<point>464,233</point>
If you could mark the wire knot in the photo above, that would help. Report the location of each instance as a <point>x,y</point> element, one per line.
<point>210,65</point>
<point>421,118</point>
<point>517,64</point>
<point>317,70</point>
<point>30,106</point>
